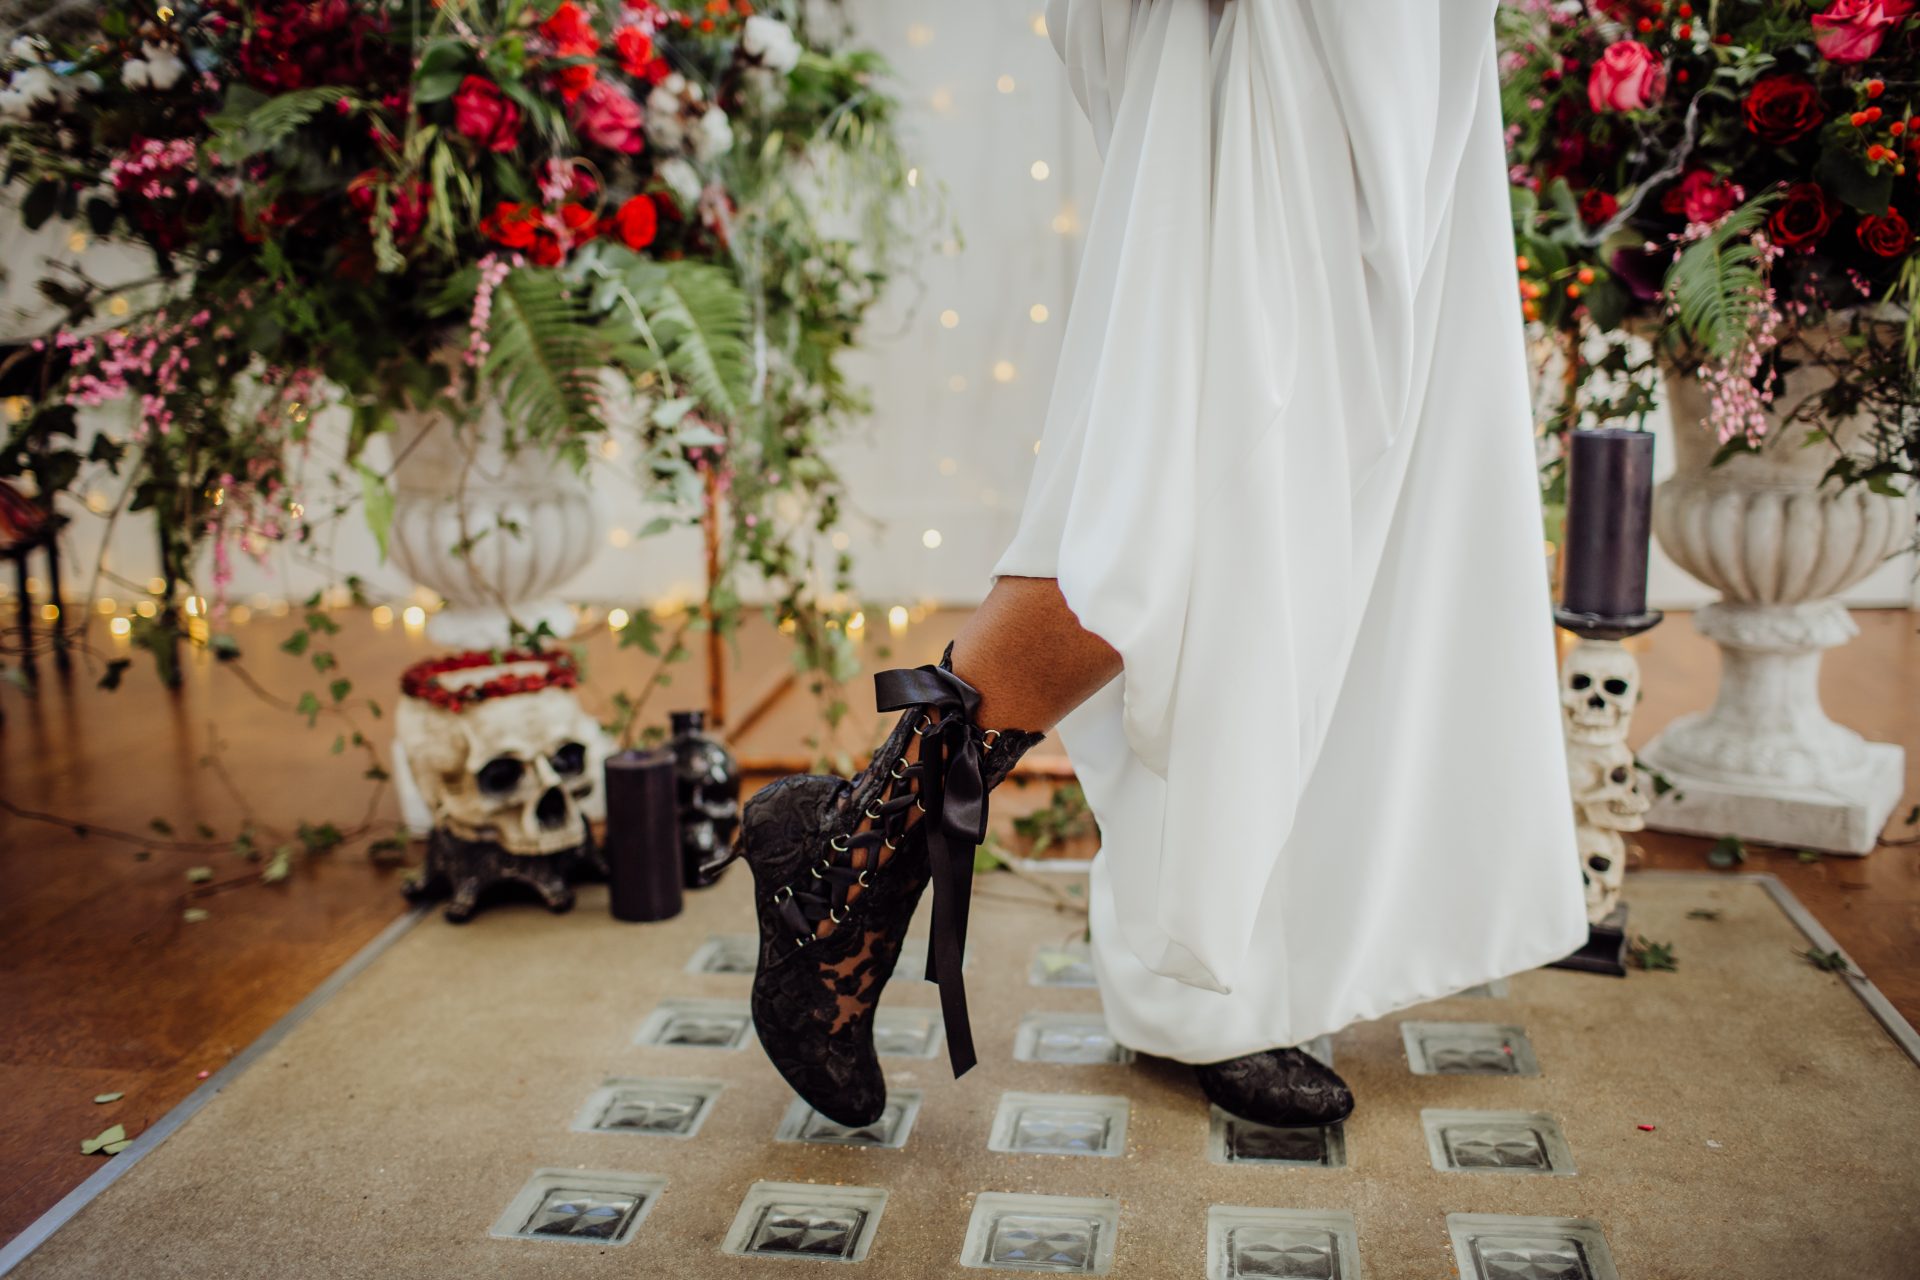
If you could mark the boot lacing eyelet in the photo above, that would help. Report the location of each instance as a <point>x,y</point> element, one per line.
<point>990,737</point>
<point>840,844</point>
<point>873,810</point>
<point>899,769</point>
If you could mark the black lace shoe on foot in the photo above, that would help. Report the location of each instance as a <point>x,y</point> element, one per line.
<point>1284,1088</point>
<point>838,868</point>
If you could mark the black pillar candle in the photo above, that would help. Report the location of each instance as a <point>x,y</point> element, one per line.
<point>1609,520</point>
<point>643,836</point>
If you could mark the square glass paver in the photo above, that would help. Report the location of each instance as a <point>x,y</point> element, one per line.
<point>1498,1247</point>
<point>807,1221</point>
<point>908,1033</point>
<point>1290,1244</point>
<point>1062,1234</point>
<point>803,1124</point>
<point>1068,964</point>
<point>1498,989</point>
<point>697,1024</point>
<point>1468,1049</point>
<point>1059,1124</point>
<point>575,1207</point>
<point>663,1108</point>
<point>1231,1140</point>
<point>730,953</point>
<point>1496,1142</point>
<point>1081,1039</point>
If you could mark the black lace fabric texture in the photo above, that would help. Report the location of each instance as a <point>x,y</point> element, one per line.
<point>1285,1088</point>
<point>813,1002</point>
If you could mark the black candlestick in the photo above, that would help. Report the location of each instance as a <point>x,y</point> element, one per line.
<point>1609,527</point>
<point>643,836</point>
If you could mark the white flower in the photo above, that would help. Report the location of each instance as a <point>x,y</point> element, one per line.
<point>664,129</point>
<point>160,70</point>
<point>35,84</point>
<point>683,180</point>
<point>714,136</point>
<point>28,49</point>
<point>14,104</point>
<point>770,42</point>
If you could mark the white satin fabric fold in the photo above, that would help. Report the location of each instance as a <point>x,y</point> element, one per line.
<point>1287,472</point>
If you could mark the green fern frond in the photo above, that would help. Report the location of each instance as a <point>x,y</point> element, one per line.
<point>694,326</point>
<point>545,358</point>
<point>1719,281</point>
<point>250,123</point>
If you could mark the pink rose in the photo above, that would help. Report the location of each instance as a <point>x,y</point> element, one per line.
<point>483,113</point>
<point>607,117</point>
<point>1628,77</point>
<point>1702,197</point>
<point>1851,30</point>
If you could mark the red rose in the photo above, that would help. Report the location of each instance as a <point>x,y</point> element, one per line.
<point>1628,77</point>
<point>606,116</point>
<point>1702,197</point>
<point>1597,206</point>
<point>512,225</point>
<point>569,32</point>
<point>546,250</point>
<point>579,222</point>
<point>1804,216</point>
<point>1851,30</point>
<point>635,50</point>
<point>483,113</point>
<point>1783,108</point>
<point>636,222</point>
<point>1887,235</point>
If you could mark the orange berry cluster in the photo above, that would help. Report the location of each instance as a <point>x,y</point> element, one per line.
<point>1867,117</point>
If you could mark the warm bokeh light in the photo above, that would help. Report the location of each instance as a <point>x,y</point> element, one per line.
<point>120,627</point>
<point>1003,371</point>
<point>383,616</point>
<point>930,539</point>
<point>414,618</point>
<point>1040,171</point>
<point>617,619</point>
<point>1038,313</point>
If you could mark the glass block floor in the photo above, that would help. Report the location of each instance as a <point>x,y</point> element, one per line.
<point>467,1106</point>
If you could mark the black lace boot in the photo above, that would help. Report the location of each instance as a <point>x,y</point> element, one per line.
<point>838,868</point>
<point>1284,1088</point>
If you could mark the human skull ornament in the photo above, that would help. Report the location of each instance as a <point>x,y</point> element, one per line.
<point>1606,801</point>
<point>505,759</point>
<point>511,770</point>
<point>1599,687</point>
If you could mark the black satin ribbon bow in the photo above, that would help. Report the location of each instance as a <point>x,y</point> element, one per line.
<point>954,791</point>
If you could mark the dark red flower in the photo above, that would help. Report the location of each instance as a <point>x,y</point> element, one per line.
<point>1887,235</point>
<point>1597,206</point>
<point>1702,196</point>
<point>636,223</point>
<point>1805,215</point>
<point>483,113</point>
<point>513,226</point>
<point>1783,108</point>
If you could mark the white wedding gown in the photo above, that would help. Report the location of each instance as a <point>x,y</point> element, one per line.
<point>1288,473</point>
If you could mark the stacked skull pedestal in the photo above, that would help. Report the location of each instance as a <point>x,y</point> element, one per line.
<point>1603,601</point>
<point>509,766</point>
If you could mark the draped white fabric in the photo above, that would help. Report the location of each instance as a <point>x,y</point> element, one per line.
<point>1287,471</point>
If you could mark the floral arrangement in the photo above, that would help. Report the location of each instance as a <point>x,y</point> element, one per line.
<point>378,204</point>
<point>1737,180</point>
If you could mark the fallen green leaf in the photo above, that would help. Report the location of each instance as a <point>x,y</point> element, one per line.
<point>199,875</point>
<point>117,1133</point>
<point>1828,961</point>
<point>1654,955</point>
<point>1808,855</point>
<point>194,915</point>
<point>1727,851</point>
<point>1704,913</point>
<point>115,1148</point>
<point>108,1097</point>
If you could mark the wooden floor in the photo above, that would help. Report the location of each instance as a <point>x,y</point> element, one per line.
<point>105,987</point>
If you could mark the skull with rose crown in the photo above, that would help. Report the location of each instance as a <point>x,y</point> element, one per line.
<point>503,753</point>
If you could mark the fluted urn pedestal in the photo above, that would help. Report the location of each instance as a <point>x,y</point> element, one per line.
<point>495,532</point>
<point>1766,763</point>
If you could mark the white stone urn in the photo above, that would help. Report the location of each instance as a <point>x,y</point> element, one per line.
<point>494,531</point>
<point>1766,763</point>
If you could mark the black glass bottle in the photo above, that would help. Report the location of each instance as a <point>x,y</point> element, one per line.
<point>708,780</point>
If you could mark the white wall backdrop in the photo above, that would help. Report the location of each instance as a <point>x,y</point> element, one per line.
<point>959,361</point>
